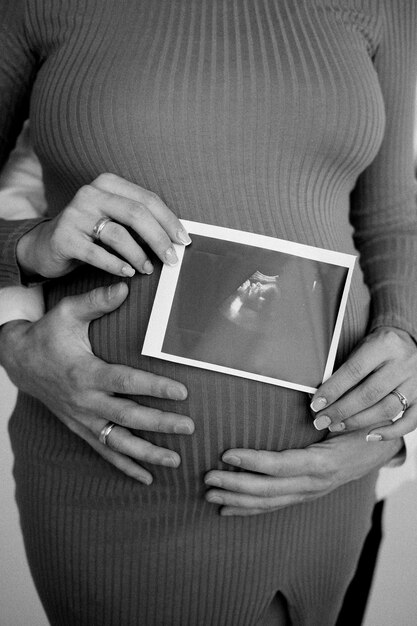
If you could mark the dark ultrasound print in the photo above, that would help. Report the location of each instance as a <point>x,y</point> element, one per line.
<point>255,310</point>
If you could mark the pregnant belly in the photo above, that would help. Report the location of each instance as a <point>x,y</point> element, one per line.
<point>228,411</point>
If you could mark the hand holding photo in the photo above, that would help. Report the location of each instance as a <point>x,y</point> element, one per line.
<point>251,306</point>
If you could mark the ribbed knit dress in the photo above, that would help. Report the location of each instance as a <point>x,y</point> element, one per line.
<point>290,118</point>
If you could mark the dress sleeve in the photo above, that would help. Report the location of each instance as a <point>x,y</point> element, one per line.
<point>383,203</point>
<point>19,63</point>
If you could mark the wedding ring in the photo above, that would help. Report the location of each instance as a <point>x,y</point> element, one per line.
<point>105,432</point>
<point>404,403</point>
<point>99,227</point>
<point>401,398</point>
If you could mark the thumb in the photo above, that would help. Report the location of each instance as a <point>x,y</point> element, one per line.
<point>93,304</point>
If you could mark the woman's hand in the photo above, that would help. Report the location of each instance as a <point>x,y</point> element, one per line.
<point>52,360</point>
<point>361,393</point>
<point>55,247</point>
<point>273,480</point>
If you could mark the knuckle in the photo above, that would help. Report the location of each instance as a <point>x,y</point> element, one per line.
<point>268,490</point>
<point>354,368</point>
<point>372,393</point>
<point>93,299</point>
<point>134,211</point>
<point>388,410</point>
<point>114,232</point>
<point>122,418</point>
<point>339,413</point>
<point>89,255</point>
<point>64,307</point>
<point>392,340</point>
<point>85,195</point>
<point>74,377</point>
<point>123,382</point>
<point>158,388</point>
<point>152,198</point>
<point>106,180</point>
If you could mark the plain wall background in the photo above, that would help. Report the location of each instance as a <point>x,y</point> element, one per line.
<point>393,600</point>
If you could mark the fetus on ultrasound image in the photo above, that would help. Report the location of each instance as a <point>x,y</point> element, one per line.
<point>255,310</point>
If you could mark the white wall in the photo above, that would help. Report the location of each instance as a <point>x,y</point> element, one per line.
<point>393,599</point>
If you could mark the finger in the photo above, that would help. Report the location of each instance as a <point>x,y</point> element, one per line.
<point>401,427</point>
<point>286,463</point>
<point>385,410</point>
<point>367,394</point>
<point>123,463</point>
<point>138,218</point>
<point>128,380</point>
<point>131,415</point>
<point>364,360</point>
<point>124,442</point>
<point>95,303</point>
<point>244,501</point>
<point>166,218</point>
<point>96,256</point>
<point>115,236</point>
<point>230,511</point>
<point>261,486</point>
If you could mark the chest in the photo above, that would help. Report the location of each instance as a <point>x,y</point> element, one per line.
<point>247,75</point>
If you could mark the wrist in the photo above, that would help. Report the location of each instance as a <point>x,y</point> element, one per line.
<point>28,249</point>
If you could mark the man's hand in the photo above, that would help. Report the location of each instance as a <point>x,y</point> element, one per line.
<point>52,360</point>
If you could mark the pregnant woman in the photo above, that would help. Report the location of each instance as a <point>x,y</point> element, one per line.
<point>290,119</point>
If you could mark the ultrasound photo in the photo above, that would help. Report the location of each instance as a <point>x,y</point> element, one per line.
<point>252,306</point>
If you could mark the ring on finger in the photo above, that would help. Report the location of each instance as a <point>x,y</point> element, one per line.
<point>105,432</point>
<point>404,402</point>
<point>98,227</point>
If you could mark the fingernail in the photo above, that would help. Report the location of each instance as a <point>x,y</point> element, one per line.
<point>322,422</point>
<point>184,237</point>
<point>213,481</point>
<point>233,460</point>
<point>183,428</point>
<point>112,290</point>
<point>318,404</point>
<point>128,271</point>
<point>373,437</point>
<point>177,393</point>
<point>171,257</point>
<point>147,267</point>
<point>146,480</point>
<point>337,428</point>
<point>170,461</point>
<point>215,499</point>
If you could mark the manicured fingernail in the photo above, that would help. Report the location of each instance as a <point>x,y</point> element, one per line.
<point>374,437</point>
<point>147,267</point>
<point>318,404</point>
<point>337,428</point>
<point>184,237</point>
<point>322,422</point>
<point>213,481</point>
<point>215,499</point>
<point>177,393</point>
<point>170,461</point>
<point>183,428</point>
<point>171,257</point>
<point>128,271</point>
<point>231,459</point>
